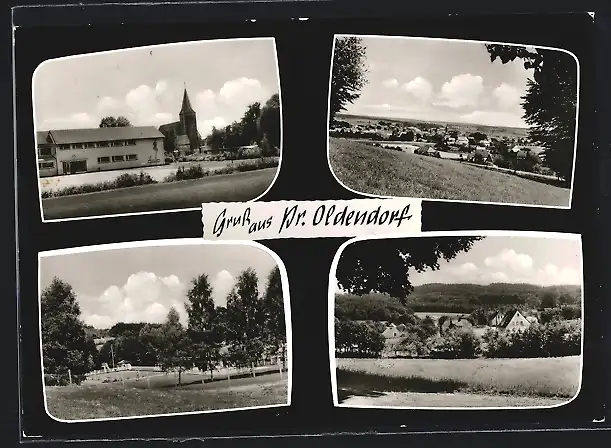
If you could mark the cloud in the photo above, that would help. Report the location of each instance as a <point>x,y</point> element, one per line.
<point>552,275</point>
<point>392,82</point>
<point>510,259</point>
<point>508,96</point>
<point>419,87</point>
<point>494,118</point>
<point>222,284</point>
<point>205,126</point>
<point>461,91</point>
<point>205,100</point>
<point>77,120</point>
<point>161,87</point>
<point>464,269</point>
<point>145,297</point>
<point>243,91</point>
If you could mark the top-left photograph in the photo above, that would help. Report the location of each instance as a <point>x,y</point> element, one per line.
<point>157,129</point>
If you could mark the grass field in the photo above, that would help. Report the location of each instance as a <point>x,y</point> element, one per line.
<point>176,195</point>
<point>556,379</point>
<point>112,400</point>
<point>378,171</point>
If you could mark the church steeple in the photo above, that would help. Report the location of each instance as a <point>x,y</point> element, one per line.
<point>186,103</point>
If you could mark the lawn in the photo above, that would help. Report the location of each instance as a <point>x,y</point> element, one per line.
<point>165,196</point>
<point>538,377</point>
<point>112,400</point>
<point>384,172</point>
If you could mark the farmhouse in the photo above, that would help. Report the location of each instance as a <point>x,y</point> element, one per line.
<point>391,332</point>
<point>497,319</point>
<point>514,320</point>
<point>461,323</point>
<point>71,151</point>
<point>480,155</point>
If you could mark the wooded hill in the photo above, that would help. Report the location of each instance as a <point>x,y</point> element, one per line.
<point>454,298</point>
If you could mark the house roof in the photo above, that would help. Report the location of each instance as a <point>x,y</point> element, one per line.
<point>41,137</point>
<point>508,317</point>
<point>66,136</point>
<point>482,152</point>
<point>168,126</point>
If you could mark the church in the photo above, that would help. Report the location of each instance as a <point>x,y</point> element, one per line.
<point>182,135</point>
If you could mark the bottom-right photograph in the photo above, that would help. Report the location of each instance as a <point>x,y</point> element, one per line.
<point>457,320</point>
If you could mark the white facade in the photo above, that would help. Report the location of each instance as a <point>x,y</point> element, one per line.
<point>103,156</point>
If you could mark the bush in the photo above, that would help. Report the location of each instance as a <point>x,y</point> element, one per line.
<point>357,340</point>
<point>537,341</point>
<point>123,181</point>
<point>455,344</point>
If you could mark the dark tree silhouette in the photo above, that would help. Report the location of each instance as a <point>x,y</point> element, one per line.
<point>348,74</point>
<point>112,122</point>
<point>550,102</point>
<point>382,265</point>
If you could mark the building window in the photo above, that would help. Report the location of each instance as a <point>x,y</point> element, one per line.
<point>90,145</point>
<point>118,158</point>
<point>117,143</point>
<point>103,159</point>
<point>102,144</point>
<point>131,157</point>
<point>46,165</point>
<point>131,142</point>
<point>77,146</point>
<point>45,151</point>
<point>64,146</point>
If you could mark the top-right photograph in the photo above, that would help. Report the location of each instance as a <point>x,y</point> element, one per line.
<point>454,120</point>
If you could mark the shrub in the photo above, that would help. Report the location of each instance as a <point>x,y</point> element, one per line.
<point>62,379</point>
<point>455,344</point>
<point>123,181</point>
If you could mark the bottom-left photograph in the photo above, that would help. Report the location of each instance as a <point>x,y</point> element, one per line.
<point>163,327</point>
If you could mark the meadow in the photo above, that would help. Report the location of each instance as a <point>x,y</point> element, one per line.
<point>130,399</point>
<point>371,170</point>
<point>556,379</point>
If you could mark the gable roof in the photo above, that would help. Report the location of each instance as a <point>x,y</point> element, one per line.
<point>41,137</point>
<point>509,317</point>
<point>66,136</point>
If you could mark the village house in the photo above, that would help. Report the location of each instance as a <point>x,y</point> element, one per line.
<point>480,155</point>
<point>72,151</point>
<point>496,319</point>
<point>460,323</point>
<point>514,320</point>
<point>391,331</point>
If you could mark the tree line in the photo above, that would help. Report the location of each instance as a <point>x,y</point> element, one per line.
<point>259,125</point>
<point>249,328</point>
<point>422,339</point>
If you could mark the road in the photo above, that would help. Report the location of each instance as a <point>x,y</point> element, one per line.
<point>243,186</point>
<point>455,400</point>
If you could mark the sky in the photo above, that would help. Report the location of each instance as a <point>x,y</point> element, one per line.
<point>146,84</point>
<point>437,80</point>
<point>141,284</point>
<point>510,259</point>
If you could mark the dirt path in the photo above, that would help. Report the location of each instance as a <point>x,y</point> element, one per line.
<point>425,400</point>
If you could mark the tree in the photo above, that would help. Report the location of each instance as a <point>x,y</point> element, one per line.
<point>383,265</point>
<point>348,74</point>
<point>250,124</point>
<point>245,318</point>
<point>269,121</point>
<point>550,102</point>
<point>112,122</point>
<point>201,314</point>
<point>65,345</point>
<point>173,345</point>
<point>273,305</point>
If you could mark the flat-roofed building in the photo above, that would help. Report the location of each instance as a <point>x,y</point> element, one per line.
<point>72,151</point>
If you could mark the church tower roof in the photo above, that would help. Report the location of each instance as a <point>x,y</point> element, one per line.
<point>186,104</point>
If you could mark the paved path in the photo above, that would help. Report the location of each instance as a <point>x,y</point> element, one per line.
<point>455,400</point>
<point>166,196</point>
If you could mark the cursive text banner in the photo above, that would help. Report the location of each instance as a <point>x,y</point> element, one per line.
<point>310,219</point>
